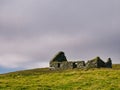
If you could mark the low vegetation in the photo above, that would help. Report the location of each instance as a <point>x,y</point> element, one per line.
<point>76,79</point>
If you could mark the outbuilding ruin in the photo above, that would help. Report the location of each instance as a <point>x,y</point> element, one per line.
<point>60,62</point>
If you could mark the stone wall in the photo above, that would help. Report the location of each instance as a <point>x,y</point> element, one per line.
<point>59,57</point>
<point>98,63</point>
<point>109,63</point>
<point>95,63</point>
<point>67,65</point>
<point>60,62</point>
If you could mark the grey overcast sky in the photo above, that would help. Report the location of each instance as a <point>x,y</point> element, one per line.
<point>32,31</point>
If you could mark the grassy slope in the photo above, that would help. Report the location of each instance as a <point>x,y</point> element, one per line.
<point>45,79</point>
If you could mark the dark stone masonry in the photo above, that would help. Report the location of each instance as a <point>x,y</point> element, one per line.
<point>60,62</point>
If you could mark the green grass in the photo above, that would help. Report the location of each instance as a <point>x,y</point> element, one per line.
<point>76,79</point>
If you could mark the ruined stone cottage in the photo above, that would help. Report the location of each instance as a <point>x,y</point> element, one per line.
<point>60,62</point>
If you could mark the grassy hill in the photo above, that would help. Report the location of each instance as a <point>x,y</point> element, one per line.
<point>76,79</point>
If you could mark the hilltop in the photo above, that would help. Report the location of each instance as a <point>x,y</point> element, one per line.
<point>72,79</point>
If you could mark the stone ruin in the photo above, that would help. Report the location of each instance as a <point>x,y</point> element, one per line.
<point>60,62</point>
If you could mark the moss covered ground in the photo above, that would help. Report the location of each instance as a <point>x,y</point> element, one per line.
<point>76,79</point>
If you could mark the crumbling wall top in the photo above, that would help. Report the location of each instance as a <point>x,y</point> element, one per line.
<point>59,57</point>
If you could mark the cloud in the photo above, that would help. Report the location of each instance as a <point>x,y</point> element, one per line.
<point>32,31</point>
<point>12,60</point>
